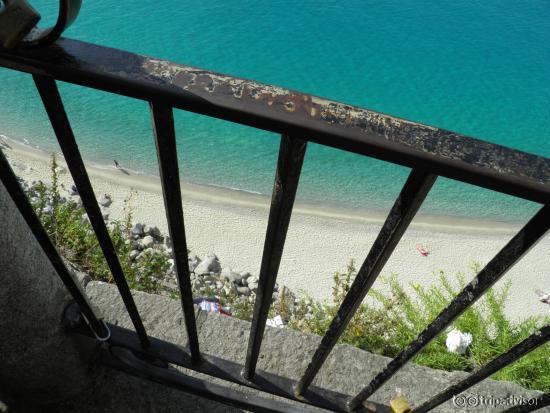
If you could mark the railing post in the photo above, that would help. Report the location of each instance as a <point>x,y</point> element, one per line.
<point>38,361</point>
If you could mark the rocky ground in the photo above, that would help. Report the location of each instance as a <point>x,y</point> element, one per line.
<point>209,278</point>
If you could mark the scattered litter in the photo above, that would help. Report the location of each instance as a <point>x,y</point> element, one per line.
<point>276,321</point>
<point>399,403</point>
<point>211,305</point>
<point>458,342</point>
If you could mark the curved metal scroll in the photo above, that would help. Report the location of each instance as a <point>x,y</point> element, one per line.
<point>18,19</point>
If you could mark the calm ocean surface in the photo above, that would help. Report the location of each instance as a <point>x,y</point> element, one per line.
<point>481,68</point>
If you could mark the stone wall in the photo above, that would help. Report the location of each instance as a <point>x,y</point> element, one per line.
<point>285,352</point>
<point>38,361</point>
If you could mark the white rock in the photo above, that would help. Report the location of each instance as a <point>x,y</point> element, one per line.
<point>230,275</point>
<point>243,290</point>
<point>209,264</point>
<point>105,200</point>
<point>148,241</point>
<point>458,342</point>
<point>253,285</point>
<point>194,261</point>
<point>134,254</point>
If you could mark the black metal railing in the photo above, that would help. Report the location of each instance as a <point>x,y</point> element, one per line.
<point>299,118</point>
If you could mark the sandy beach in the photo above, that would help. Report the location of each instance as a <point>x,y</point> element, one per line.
<point>320,240</point>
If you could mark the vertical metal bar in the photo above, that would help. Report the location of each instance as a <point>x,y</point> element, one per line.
<point>530,405</point>
<point>289,165</point>
<point>56,112</point>
<point>535,340</point>
<point>165,140</point>
<point>408,202</point>
<point>25,208</point>
<point>493,271</point>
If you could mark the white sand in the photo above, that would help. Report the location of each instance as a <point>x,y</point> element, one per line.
<point>320,241</point>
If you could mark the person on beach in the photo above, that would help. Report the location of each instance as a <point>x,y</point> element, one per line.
<point>117,165</point>
<point>422,250</point>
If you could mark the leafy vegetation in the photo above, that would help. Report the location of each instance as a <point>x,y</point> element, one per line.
<point>392,320</point>
<point>68,226</point>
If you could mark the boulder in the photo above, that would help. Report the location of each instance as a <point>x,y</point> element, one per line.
<point>244,278</point>
<point>209,264</point>
<point>133,254</point>
<point>148,241</point>
<point>253,285</point>
<point>153,231</point>
<point>230,275</point>
<point>72,190</point>
<point>137,229</point>
<point>194,261</point>
<point>105,200</point>
<point>243,290</point>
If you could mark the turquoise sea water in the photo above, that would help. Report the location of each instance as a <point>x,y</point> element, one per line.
<point>481,68</point>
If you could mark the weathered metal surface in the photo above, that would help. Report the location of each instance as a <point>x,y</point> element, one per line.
<point>289,165</point>
<point>165,141</point>
<point>53,104</point>
<point>406,206</point>
<point>511,253</point>
<point>18,20</point>
<point>287,112</point>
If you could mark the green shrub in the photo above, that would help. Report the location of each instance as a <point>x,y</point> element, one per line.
<point>67,224</point>
<point>393,320</point>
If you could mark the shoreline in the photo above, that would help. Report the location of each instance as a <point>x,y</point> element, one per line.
<point>242,198</point>
<point>320,241</point>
